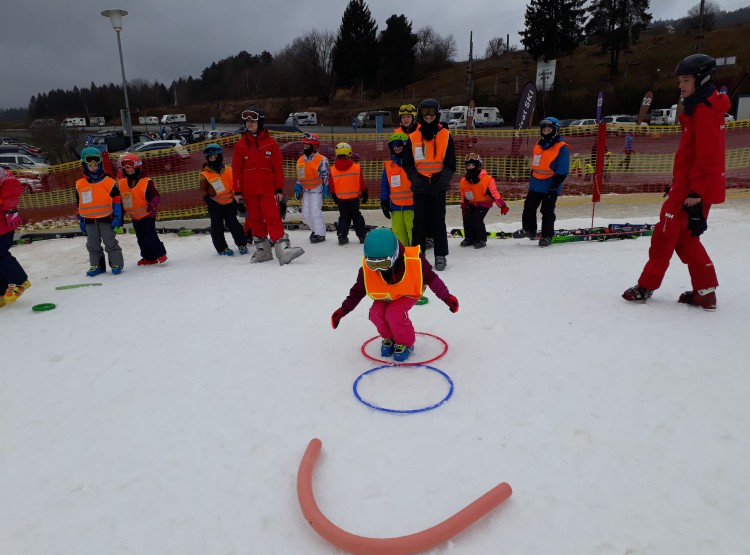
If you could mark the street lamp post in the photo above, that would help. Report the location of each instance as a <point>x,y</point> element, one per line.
<point>115,17</point>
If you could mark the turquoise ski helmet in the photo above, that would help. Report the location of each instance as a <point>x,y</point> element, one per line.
<point>381,243</point>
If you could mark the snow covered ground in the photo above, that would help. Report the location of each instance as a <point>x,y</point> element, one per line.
<point>166,412</point>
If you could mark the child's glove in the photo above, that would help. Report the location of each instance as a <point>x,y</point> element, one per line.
<point>364,197</point>
<point>12,219</point>
<point>696,221</point>
<point>82,224</point>
<point>298,191</point>
<point>241,208</point>
<point>502,206</point>
<point>336,317</point>
<point>116,216</point>
<point>452,303</point>
<point>385,206</point>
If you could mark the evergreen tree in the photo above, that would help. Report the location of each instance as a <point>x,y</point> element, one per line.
<point>553,27</point>
<point>397,55</point>
<point>617,25</point>
<point>355,54</point>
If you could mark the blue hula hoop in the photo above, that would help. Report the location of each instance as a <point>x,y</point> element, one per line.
<point>406,411</point>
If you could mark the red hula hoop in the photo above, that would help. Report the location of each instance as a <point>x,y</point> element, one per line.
<point>411,362</point>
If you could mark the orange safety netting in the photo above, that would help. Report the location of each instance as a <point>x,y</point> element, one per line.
<point>50,194</point>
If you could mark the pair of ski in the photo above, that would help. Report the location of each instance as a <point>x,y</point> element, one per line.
<point>332,227</point>
<point>612,231</point>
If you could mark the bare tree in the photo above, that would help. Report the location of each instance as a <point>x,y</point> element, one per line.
<point>495,48</point>
<point>433,51</point>
<point>710,10</point>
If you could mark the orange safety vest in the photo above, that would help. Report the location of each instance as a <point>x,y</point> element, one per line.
<point>479,191</point>
<point>346,183</point>
<point>134,200</point>
<point>221,183</point>
<point>429,155</point>
<point>411,285</point>
<point>541,160</point>
<point>399,184</point>
<point>94,200</point>
<point>307,171</point>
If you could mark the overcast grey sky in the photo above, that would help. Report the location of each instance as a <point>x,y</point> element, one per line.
<point>50,44</point>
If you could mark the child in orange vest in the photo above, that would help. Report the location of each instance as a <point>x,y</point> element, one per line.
<point>347,190</point>
<point>396,198</point>
<point>223,202</point>
<point>395,277</point>
<point>478,192</point>
<point>140,200</point>
<point>99,213</point>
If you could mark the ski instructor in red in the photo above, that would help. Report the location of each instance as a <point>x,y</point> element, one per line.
<point>259,175</point>
<point>697,183</point>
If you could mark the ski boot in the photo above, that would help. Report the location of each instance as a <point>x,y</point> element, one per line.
<point>95,271</point>
<point>343,239</point>
<point>227,252</point>
<point>262,250</point>
<point>387,347</point>
<point>521,233</point>
<point>466,243</point>
<point>285,253</point>
<point>144,262</point>
<point>14,291</point>
<point>480,244</point>
<point>637,294</point>
<point>116,270</point>
<point>704,298</point>
<point>401,353</point>
<point>545,241</point>
<point>317,238</point>
<point>162,259</point>
<point>242,249</point>
<point>440,263</point>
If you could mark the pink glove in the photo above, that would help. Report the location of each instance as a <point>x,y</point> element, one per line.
<point>502,206</point>
<point>336,317</point>
<point>12,219</point>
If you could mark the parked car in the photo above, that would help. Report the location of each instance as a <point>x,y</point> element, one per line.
<point>159,145</point>
<point>582,122</point>
<point>18,149</point>
<point>22,160</point>
<point>566,122</point>
<point>621,123</point>
<point>31,180</point>
<point>172,156</point>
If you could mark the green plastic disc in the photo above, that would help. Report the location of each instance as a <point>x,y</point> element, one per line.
<point>423,300</point>
<point>44,307</point>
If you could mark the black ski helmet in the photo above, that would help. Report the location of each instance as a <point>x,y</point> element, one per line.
<point>429,104</point>
<point>256,114</point>
<point>700,66</point>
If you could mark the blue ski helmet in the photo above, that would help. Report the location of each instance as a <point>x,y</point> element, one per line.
<point>550,122</point>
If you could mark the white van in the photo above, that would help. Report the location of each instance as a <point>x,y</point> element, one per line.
<point>173,118</point>
<point>487,116</point>
<point>74,122</point>
<point>369,119</point>
<point>148,120</point>
<point>659,116</point>
<point>457,117</point>
<point>302,118</point>
<point>97,120</point>
<point>672,117</point>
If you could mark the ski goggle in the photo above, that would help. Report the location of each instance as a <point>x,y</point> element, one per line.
<point>379,264</point>
<point>310,138</point>
<point>428,111</point>
<point>547,123</point>
<point>93,159</point>
<point>251,115</point>
<point>473,158</point>
<point>129,163</point>
<point>407,110</point>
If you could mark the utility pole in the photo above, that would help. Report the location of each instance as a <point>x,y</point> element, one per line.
<point>700,27</point>
<point>469,77</point>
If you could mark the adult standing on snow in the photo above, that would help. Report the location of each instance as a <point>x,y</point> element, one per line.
<point>259,175</point>
<point>430,163</point>
<point>697,183</point>
<point>13,279</point>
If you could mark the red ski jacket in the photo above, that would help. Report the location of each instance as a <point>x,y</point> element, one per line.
<point>699,160</point>
<point>257,165</point>
<point>10,191</point>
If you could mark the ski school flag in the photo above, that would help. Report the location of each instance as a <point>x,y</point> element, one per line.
<point>526,107</point>
<point>648,98</point>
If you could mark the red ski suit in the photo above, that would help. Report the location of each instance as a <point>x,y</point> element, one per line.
<point>259,175</point>
<point>698,168</point>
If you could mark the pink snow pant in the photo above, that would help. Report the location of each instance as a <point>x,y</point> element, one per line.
<point>671,235</point>
<point>391,318</point>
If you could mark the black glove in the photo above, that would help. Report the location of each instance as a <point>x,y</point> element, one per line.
<point>206,198</point>
<point>282,208</point>
<point>241,209</point>
<point>364,197</point>
<point>385,206</point>
<point>696,220</point>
